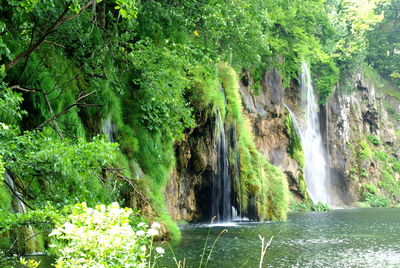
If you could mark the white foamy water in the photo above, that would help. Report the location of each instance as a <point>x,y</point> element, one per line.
<point>316,168</point>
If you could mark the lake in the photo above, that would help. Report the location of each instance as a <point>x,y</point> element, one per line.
<point>339,238</point>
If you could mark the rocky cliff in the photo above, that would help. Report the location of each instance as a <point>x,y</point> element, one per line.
<point>188,192</point>
<point>361,129</point>
<point>362,120</point>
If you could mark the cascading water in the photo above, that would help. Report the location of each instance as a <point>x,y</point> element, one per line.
<point>108,128</point>
<point>221,185</point>
<point>28,236</point>
<point>316,168</point>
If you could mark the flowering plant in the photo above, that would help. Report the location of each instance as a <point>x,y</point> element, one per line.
<point>103,237</point>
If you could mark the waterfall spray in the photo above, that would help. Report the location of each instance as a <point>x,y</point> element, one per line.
<point>316,168</point>
<point>221,185</point>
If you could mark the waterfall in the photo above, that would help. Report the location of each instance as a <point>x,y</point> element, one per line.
<point>221,182</point>
<point>108,128</point>
<point>28,236</point>
<point>316,168</point>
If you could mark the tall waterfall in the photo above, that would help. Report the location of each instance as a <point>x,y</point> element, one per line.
<point>221,185</point>
<point>316,168</point>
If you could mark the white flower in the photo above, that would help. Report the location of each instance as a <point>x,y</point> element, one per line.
<point>55,232</point>
<point>4,126</point>
<point>160,250</point>
<point>152,232</point>
<point>68,227</point>
<point>141,224</point>
<point>143,248</point>
<point>156,225</point>
<point>140,233</point>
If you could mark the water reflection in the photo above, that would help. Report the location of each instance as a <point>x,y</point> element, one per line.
<point>340,238</point>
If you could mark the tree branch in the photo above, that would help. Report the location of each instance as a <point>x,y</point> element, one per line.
<point>68,108</point>
<point>61,19</point>
<point>14,192</point>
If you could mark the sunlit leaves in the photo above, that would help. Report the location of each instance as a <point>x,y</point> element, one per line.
<point>352,19</point>
<point>60,171</point>
<point>10,110</point>
<point>127,8</point>
<point>162,80</point>
<point>103,237</point>
<point>384,43</point>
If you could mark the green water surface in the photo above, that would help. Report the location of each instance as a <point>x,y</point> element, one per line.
<point>339,238</point>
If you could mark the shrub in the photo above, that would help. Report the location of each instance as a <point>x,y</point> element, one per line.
<point>369,188</point>
<point>320,207</point>
<point>103,237</point>
<point>380,155</point>
<point>374,140</point>
<point>365,151</point>
<point>376,200</point>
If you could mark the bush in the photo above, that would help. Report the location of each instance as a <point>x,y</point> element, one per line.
<point>374,140</point>
<point>376,200</point>
<point>370,188</point>
<point>320,207</point>
<point>381,155</point>
<point>103,237</point>
<point>365,151</point>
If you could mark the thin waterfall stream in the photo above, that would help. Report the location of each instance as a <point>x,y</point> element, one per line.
<point>28,235</point>
<point>221,206</point>
<point>316,164</point>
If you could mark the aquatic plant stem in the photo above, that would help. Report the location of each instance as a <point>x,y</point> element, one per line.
<point>264,248</point>
<point>205,243</point>
<point>179,264</point>
<point>212,247</point>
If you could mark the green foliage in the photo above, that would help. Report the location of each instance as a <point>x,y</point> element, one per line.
<point>295,148</point>
<point>370,188</point>
<point>383,45</point>
<point>308,205</point>
<point>162,80</point>
<point>10,110</point>
<point>372,197</point>
<point>374,140</point>
<point>147,76</point>
<point>103,236</point>
<point>205,90</point>
<point>40,218</point>
<point>376,200</point>
<point>29,263</point>
<point>381,155</point>
<point>259,179</point>
<point>320,207</point>
<point>59,171</point>
<point>352,20</point>
<point>364,151</point>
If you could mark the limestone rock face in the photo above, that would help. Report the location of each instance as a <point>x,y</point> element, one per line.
<point>266,113</point>
<point>188,190</point>
<point>353,117</point>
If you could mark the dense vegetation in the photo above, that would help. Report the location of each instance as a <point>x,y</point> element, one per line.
<point>72,70</point>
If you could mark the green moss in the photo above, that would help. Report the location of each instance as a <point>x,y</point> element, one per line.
<point>381,84</point>
<point>381,155</point>
<point>365,151</point>
<point>374,140</point>
<point>259,180</point>
<point>5,197</point>
<point>295,149</point>
<point>205,90</point>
